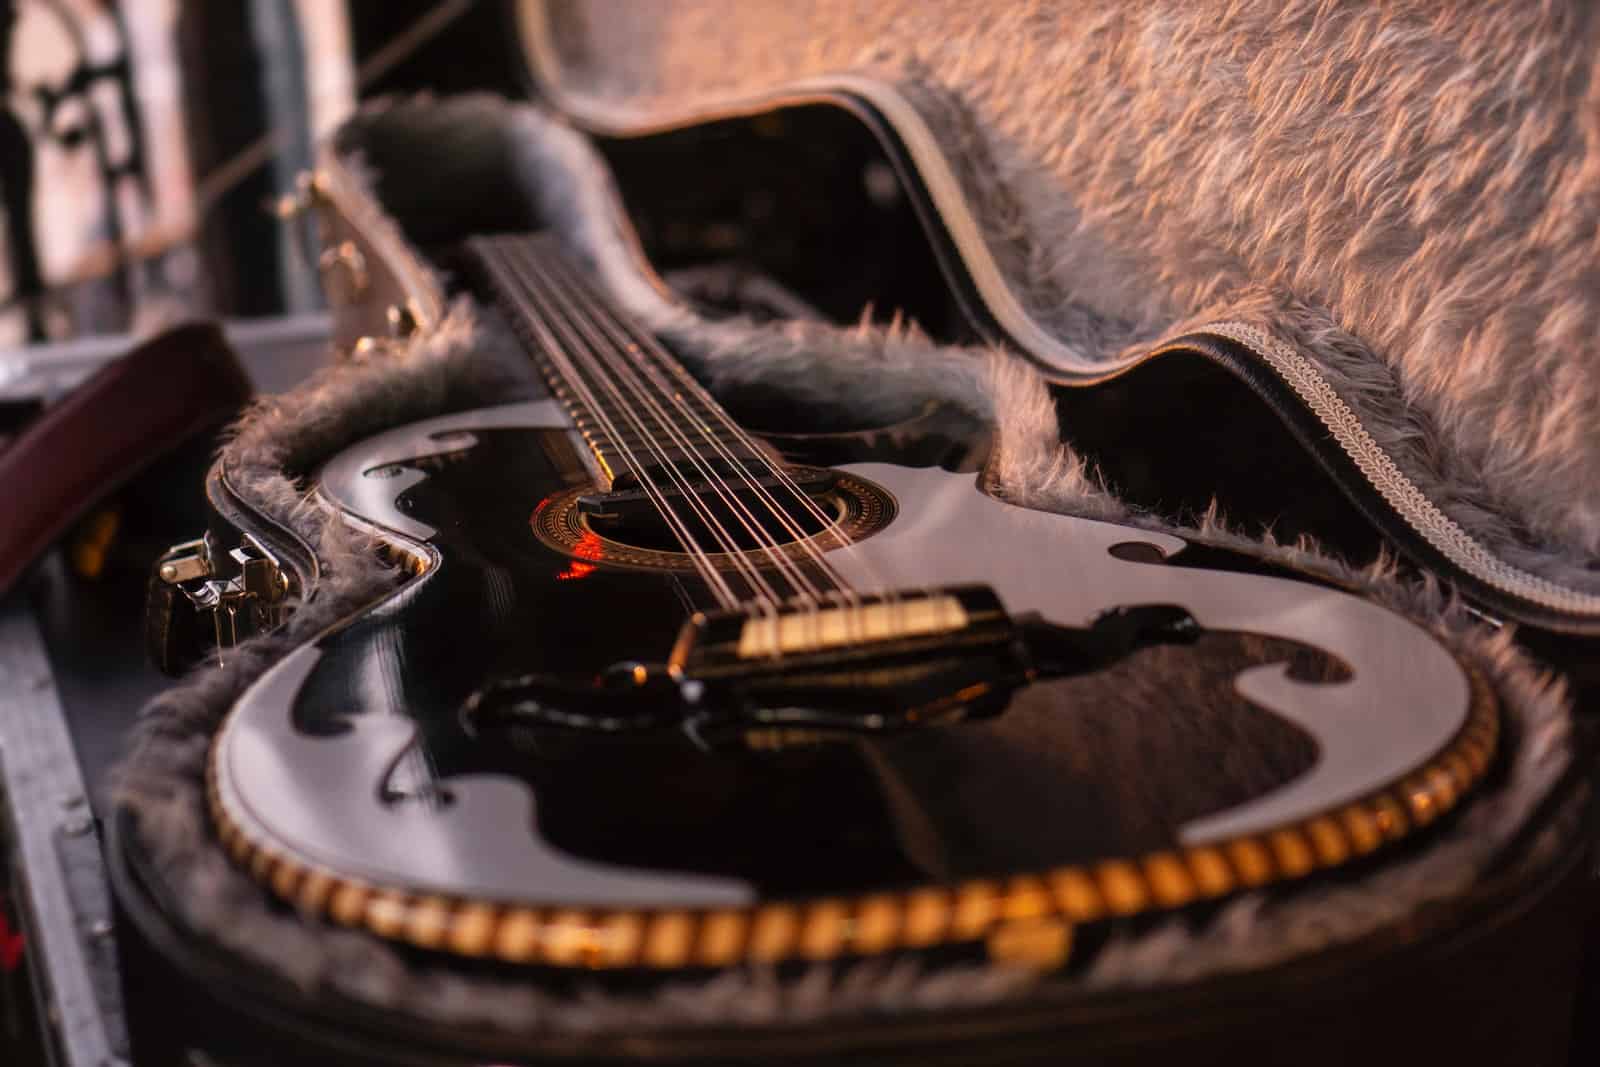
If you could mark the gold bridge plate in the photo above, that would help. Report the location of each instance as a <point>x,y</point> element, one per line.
<point>835,627</point>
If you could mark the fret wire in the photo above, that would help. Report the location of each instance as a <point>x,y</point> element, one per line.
<point>659,426</point>
<point>522,259</point>
<point>656,423</point>
<point>543,343</point>
<point>730,435</point>
<point>609,323</point>
<point>572,310</point>
<point>642,344</point>
<point>584,412</point>
<point>553,269</point>
<point>648,345</point>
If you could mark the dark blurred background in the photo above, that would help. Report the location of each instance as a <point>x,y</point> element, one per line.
<point>144,148</point>
<point>143,144</point>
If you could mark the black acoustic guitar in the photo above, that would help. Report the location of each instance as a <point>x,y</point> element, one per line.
<point>656,697</point>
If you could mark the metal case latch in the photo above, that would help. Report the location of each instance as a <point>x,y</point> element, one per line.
<point>203,601</point>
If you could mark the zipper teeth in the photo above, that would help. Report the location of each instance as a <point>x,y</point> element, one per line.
<point>1420,513</point>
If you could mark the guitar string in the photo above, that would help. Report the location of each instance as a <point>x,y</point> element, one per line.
<point>812,597</point>
<point>642,343</point>
<point>573,310</point>
<point>565,355</point>
<point>570,359</point>
<point>676,382</point>
<point>495,259</point>
<point>767,598</point>
<point>603,342</point>
<point>672,386</point>
<point>556,355</point>
<point>621,347</point>
<point>566,311</point>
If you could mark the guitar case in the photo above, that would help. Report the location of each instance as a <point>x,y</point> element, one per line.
<point>1217,275</point>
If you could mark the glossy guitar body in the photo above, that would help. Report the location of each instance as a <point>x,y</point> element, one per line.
<point>349,780</point>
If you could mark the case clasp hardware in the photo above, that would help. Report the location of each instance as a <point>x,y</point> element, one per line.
<point>200,597</point>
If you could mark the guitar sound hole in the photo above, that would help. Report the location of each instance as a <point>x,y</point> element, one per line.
<point>853,509</point>
<point>714,525</point>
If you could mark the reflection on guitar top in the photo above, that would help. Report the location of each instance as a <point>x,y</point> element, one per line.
<point>661,698</point>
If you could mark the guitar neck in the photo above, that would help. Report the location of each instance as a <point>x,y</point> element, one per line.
<point>632,401</point>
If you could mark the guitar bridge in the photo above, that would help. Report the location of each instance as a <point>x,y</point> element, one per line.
<point>957,620</point>
<point>787,634</point>
<point>807,673</point>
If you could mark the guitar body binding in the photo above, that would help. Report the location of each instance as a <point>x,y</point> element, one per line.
<point>345,779</point>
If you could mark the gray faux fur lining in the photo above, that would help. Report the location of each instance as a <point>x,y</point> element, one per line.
<point>1398,190</point>
<point>884,371</point>
<point>563,178</point>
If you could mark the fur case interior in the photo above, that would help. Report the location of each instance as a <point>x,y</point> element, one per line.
<point>1407,194</point>
<point>881,371</point>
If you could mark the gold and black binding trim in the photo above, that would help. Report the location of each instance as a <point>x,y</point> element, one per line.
<point>1029,919</point>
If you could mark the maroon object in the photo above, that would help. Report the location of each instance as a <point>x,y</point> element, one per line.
<point>12,946</point>
<point>127,414</point>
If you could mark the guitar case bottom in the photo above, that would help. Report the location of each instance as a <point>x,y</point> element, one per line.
<point>1490,978</point>
<point>1463,945</point>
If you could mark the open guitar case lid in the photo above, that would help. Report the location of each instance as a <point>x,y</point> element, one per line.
<point>1318,286</point>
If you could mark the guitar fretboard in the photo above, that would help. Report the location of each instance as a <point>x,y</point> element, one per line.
<point>629,397</point>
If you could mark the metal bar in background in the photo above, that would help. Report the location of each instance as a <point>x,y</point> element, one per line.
<point>56,865</point>
<point>280,48</point>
